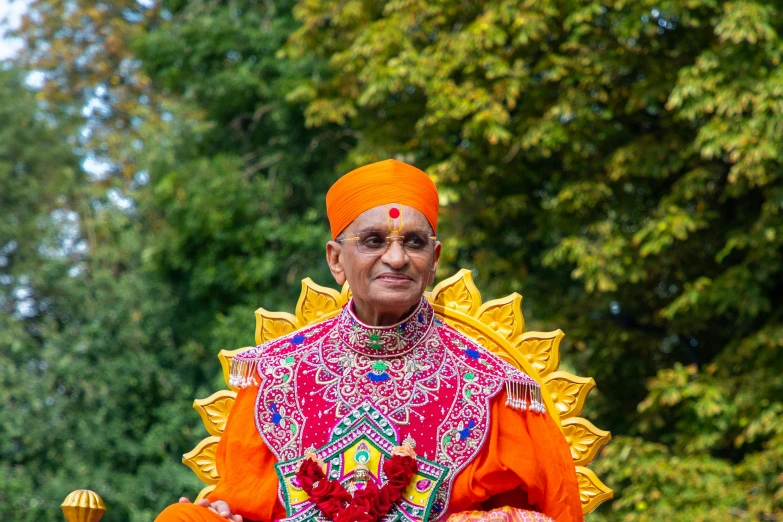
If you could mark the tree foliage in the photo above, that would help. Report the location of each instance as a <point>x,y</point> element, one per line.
<point>618,163</point>
<point>90,381</point>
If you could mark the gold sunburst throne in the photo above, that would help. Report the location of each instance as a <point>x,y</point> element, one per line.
<point>498,325</point>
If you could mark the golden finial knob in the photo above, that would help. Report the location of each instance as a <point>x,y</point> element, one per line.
<point>83,505</point>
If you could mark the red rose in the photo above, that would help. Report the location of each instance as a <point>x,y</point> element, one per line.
<point>399,471</point>
<point>384,500</point>
<point>354,513</point>
<point>330,496</point>
<point>308,473</point>
<point>330,508</point>
<point>366,497</point>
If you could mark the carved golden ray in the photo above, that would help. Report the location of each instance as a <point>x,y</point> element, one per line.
<point>591,490</point>
<point>542,350</point>
<point>568,392</point>
<point>271,325</point>
<point>498,325</point>
<point>504,316</point>
<point>214,410</point>
<point>201,460</point>
<point>458,293</point>
<point>317,303</point>
<point>584,439</point>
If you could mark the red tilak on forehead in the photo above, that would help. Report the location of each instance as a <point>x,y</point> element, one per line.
<point>394,215</point>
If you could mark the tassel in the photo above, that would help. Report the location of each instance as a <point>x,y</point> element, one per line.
<point>243,373</point>
<point>525,396</point>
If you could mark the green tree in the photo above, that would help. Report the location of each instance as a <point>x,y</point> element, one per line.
<point>92,81</point>
<point>89,381</point>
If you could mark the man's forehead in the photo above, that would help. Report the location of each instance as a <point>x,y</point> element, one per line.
<point>390,216</point>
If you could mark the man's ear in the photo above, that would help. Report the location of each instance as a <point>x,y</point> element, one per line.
<point>435,262</point>
<point>333,251</point>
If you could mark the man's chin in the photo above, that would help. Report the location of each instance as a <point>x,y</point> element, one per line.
<point>394,286</point>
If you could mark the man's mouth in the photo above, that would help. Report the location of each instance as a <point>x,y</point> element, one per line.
<point>394,278</point>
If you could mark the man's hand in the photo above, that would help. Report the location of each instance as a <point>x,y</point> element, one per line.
<point>219,507</point>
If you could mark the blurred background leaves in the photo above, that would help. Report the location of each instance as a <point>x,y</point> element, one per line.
<point>163,167</point>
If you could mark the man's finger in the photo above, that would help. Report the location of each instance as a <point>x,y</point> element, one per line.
<point>237,518</point>
<point>184,500</point>
<point>203,502</point>
<point>222,508</point>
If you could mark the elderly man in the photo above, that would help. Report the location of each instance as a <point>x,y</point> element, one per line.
<point>385,412</point>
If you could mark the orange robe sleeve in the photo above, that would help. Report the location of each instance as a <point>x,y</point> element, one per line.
<point>525,462</point>
<point>248,482</point>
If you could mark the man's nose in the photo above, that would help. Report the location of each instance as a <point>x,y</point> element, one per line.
<point>395,255</point>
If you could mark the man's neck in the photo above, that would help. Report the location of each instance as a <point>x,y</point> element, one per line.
<point>372,316</point>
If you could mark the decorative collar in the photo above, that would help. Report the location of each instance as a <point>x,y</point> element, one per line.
<point>385,341</point>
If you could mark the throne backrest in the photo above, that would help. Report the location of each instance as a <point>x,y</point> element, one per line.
<point>497,325</point>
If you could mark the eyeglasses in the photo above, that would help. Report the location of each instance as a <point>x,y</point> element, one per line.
<point>374,243</point>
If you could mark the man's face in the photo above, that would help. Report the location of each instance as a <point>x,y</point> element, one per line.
<point>392,281</point>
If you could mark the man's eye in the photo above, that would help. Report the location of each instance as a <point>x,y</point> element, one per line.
<point>373,242</point>
<point>415,242</point>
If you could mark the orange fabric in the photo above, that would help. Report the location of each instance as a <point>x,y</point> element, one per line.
<point>247,467</point>
<point>380,183</point>
<point>525,463</point>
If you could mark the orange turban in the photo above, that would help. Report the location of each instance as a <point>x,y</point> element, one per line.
<point>388,181</point>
